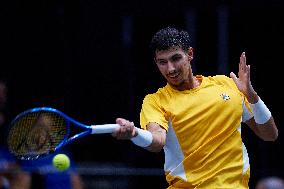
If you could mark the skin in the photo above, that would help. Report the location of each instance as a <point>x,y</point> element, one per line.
<point>175,66</point>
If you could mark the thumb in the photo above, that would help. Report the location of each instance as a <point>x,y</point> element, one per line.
<point>233,76</point>
<point>120,121</point>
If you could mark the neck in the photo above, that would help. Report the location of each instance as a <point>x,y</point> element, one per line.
<point>191,83</point>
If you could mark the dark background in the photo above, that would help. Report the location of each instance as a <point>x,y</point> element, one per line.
<point>90,59</point>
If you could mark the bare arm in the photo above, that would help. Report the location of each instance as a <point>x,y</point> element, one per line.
<point>159,137</point>
<point>268,130</point>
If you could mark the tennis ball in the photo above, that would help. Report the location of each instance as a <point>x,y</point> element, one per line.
<point>61,162</point>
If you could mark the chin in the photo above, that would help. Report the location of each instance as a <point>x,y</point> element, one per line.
<point>175,84</point>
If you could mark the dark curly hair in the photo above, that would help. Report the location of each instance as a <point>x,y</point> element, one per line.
<point>169,37</point>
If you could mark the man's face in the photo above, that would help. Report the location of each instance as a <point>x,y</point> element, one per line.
<point>174,65</point>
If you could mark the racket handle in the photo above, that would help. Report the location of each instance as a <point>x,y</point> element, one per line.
<point>106,128</point>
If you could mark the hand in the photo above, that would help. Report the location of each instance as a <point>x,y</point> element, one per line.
<point>125,131</point>
<point>243,80</point>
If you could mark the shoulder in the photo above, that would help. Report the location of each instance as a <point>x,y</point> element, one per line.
<point>156,96</point>
<point>225,81</point>
<point>222,80</point>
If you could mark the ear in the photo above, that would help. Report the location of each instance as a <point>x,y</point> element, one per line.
<point>190,53</point>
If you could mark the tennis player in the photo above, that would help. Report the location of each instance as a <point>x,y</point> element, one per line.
<point>197,119</point>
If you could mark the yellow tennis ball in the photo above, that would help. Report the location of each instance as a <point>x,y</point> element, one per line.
<point>61,162</point>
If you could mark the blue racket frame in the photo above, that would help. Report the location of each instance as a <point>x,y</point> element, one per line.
<point>68,120</point>
<point>87,129</point>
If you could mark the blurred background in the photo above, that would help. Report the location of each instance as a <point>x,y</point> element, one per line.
<point>91,60</point>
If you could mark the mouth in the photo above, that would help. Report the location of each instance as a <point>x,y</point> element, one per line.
<point>174,75</point>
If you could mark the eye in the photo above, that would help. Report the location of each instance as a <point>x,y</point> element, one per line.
<point>162,62</point>
<point>176,58</point>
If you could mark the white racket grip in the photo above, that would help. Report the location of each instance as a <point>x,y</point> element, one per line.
<point>106,128</point>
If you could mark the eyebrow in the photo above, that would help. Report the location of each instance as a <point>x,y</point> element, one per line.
<point>174,55</point>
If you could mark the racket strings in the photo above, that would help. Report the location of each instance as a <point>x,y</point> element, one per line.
<point>36,133</point>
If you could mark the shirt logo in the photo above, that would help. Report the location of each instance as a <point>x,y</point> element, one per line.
<point>225,96</point>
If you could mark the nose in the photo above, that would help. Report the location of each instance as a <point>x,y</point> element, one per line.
<point>171,67</point>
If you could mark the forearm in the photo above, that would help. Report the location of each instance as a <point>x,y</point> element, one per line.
<point>152,139</point>
<point>157,143</point>
<point>263,121</point>
<point>268,131</point>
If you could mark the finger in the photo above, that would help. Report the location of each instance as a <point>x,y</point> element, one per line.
<point>115,133</point>
<point>121,121</point>
<point>120,134</point>
<point>244,58</point>
<point>248,72</point>
<point>122,129</point>
<point>128,130</point>
<point>233,76</point>
<point>129,124</point>
<point>242,62</point>
<point>133,132</point>
<point>240,65</point>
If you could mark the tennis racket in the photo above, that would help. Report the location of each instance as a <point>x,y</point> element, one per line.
<point>40,131</point>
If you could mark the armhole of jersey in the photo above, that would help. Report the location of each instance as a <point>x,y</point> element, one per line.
<point>247,115</point>
<point>160,125</point>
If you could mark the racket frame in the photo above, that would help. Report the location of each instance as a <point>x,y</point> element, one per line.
<point>93,129</point>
